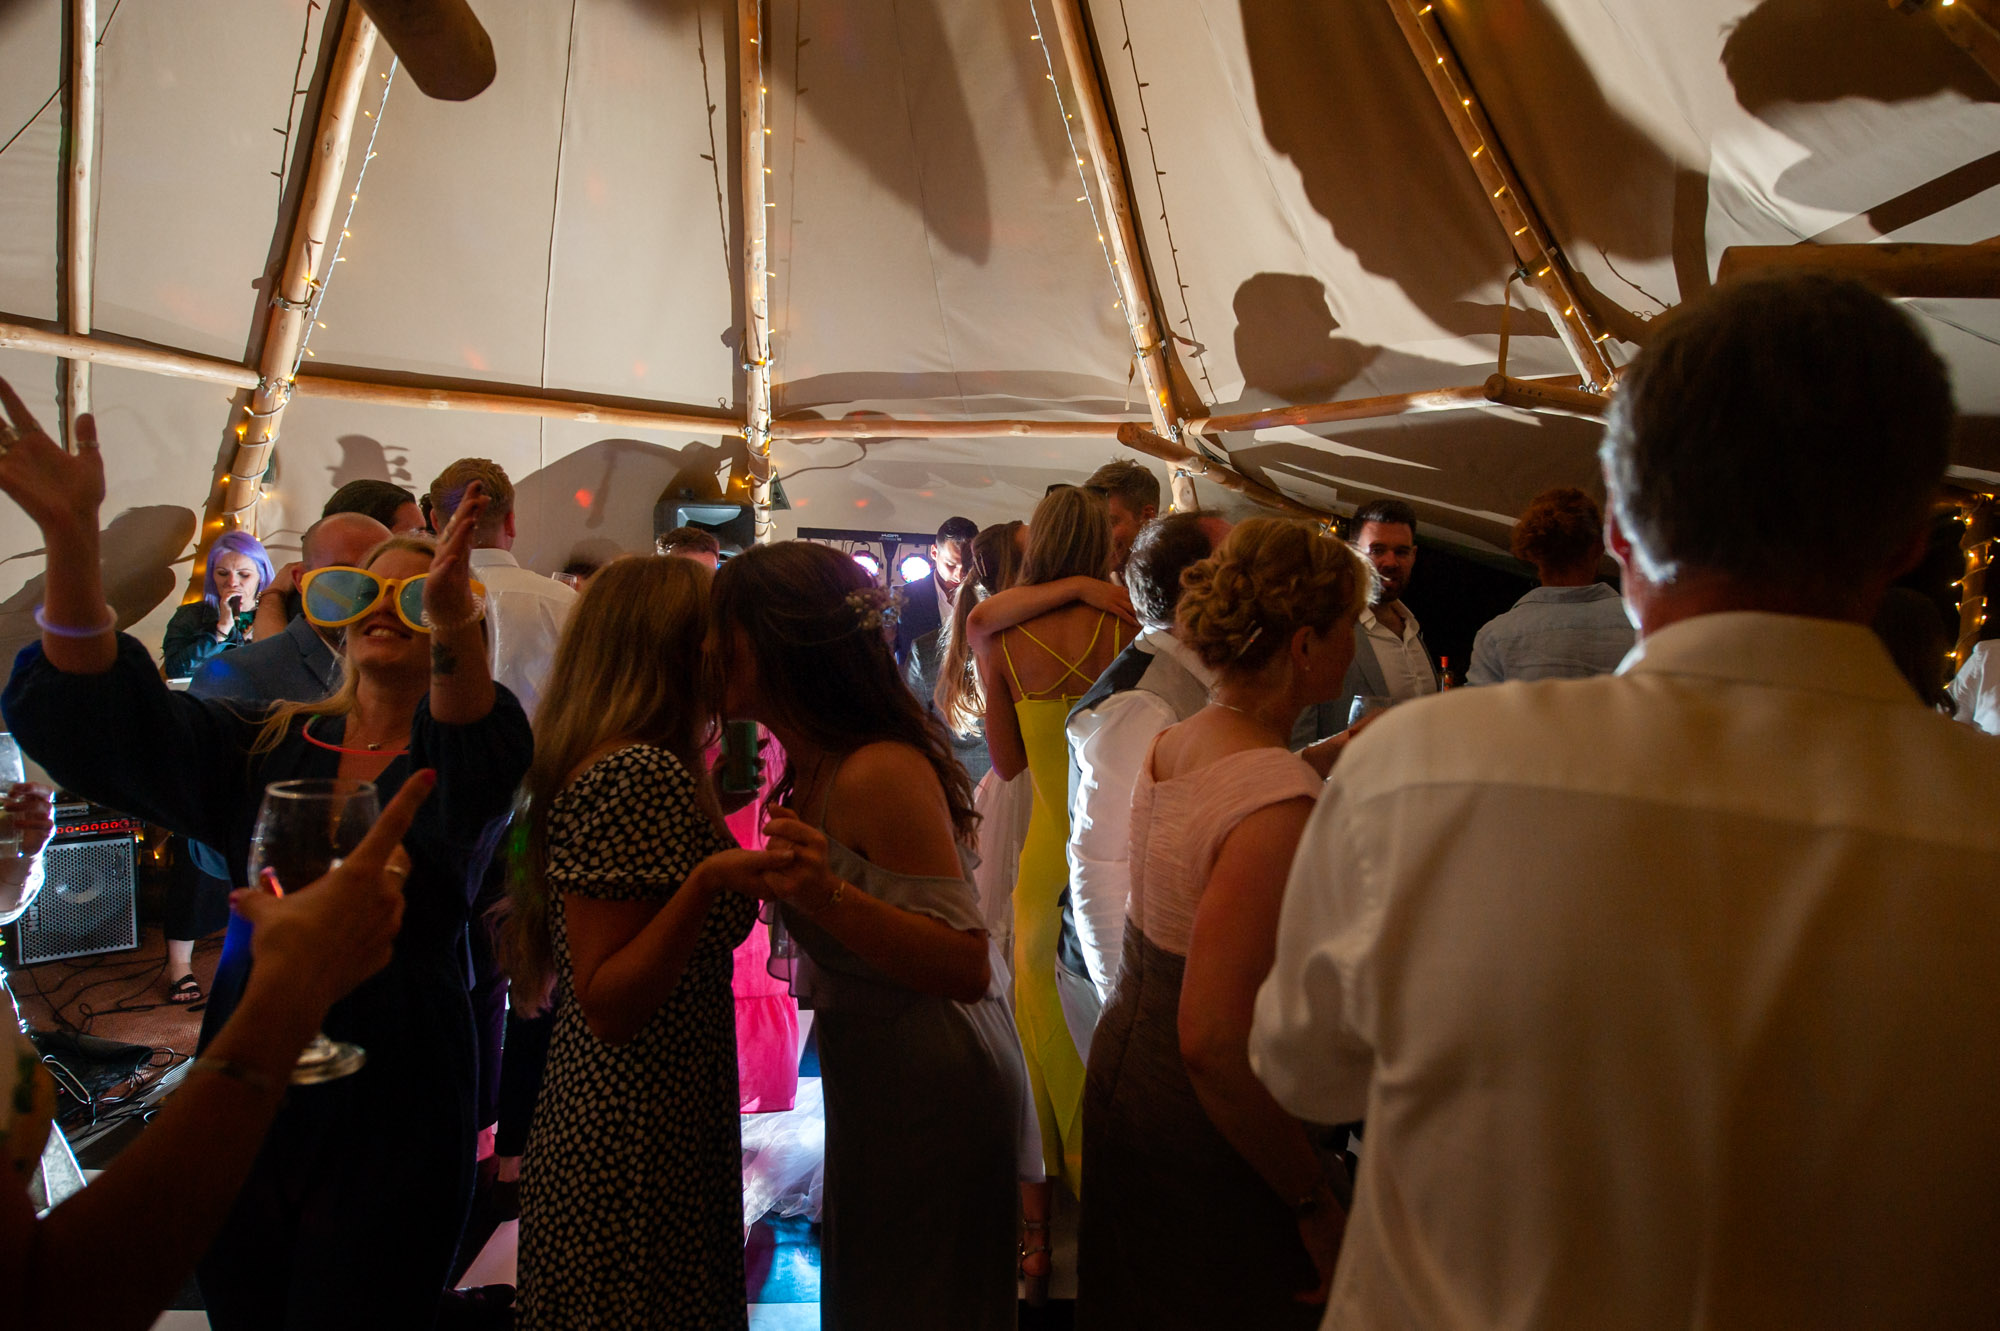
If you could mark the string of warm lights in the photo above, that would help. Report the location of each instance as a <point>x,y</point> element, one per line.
<point>757,319</point>
<point>316,289</point>
<point>1546,253</point>
<point>1082,176</point>
<point>1976,542</point>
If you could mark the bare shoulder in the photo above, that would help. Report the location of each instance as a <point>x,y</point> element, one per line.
<point>887,766</point>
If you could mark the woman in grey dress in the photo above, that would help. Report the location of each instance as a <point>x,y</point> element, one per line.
<point>925,1088</point>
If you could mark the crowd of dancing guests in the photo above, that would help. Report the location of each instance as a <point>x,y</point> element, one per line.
<point>1129,855</point>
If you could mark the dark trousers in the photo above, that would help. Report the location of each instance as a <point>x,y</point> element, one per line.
<point>197,905</point>
<point>521,1067</point>
<point>488,991</point>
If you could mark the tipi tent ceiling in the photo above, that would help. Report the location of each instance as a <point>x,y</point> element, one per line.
<point>1311,226</point>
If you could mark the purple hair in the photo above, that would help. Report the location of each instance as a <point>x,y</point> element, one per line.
<point>236,543</point>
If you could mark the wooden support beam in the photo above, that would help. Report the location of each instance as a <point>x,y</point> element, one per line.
<point>1121,234</point>
<point>1971,30</point>
<point>304,253</point>
<point>1541,260</point>
<point>879,427</point>
<point>79,232</point>
<point>519,402</point>
<point>1141,440</point>
<point>1936,271</point>
<point>1364,408</point>
<point>1976,543</point>
<point>98,351</point>
<point>1549,399</point>
<point>756,348</point>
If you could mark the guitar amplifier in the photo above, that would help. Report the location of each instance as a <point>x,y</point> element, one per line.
<point>89,902</point>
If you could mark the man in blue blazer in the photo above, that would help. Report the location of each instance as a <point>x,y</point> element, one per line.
<point>927,601</point>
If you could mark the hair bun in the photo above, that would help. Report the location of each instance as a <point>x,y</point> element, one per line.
<point>1268,579</point>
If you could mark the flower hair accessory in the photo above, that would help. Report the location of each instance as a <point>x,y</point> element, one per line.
<point>875,608</point>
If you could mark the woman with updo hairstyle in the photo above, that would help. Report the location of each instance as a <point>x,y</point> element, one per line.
<point>1571,626</point>
<point>926,1098</point>
<point>1205,1204</point>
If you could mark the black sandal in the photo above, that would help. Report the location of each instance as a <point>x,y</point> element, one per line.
<point>185,990</point>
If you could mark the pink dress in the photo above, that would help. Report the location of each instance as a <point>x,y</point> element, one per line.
<point>767,1016</point>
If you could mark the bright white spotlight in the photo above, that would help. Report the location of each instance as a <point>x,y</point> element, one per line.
<point>915,568</point>
<point>869,563</point>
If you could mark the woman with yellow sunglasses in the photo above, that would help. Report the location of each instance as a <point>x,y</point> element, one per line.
<point>371,1174</point>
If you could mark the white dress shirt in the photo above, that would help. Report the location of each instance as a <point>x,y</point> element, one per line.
<point>1669,996</point>
<point>1108,743</point>
<point>1405,662</point>
<point>1976,688</point>
<point>525,612</point>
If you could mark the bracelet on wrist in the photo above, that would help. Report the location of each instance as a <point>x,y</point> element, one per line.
<point>42,622</point>
<point>453,625</point>
<point>833,898</point>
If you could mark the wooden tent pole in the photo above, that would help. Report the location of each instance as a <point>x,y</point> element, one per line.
<point>1980,529</point>
<point>178,364</point>
<point>1122,233</point>
<point>756,343</point>
<point>1541,261</point>
<point>1895,269</point>
<point>878,427</point>
<point>1141,440</point>
<point>1366,408</point>
<point>237,491</point>
<point>1971,31</point>
<point>79,234</point>
<point>558,407</point>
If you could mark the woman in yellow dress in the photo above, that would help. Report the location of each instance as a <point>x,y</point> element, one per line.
<point>1034,673</point>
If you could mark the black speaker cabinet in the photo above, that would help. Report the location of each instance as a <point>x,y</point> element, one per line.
<point>89,902</point>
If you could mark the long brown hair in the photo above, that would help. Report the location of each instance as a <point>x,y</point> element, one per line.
<point>1069,536</point>
<point>630,666</point>
<point>279,719</point>
<point>996,563</point>
<point>812,619</point>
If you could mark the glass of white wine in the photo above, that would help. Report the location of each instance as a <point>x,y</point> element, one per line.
<point>304,829</point>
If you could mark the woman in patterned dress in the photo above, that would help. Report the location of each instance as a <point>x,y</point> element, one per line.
<point>631,1189</point>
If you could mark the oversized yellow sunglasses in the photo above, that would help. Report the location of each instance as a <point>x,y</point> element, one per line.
<point>338,595</point>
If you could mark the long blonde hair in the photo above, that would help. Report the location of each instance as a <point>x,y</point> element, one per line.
<point>630,666</point>
<point>1069,536</point>
<point>279,719</point>
<point>996,563</point>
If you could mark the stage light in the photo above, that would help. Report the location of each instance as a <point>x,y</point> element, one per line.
<point>915,568</point>
<point>869,563</point>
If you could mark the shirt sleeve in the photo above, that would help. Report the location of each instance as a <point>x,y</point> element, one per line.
<point>633,833</point>
<point>1108,743</point>
<point>1966,686</point>
<point>190,639</point>
<point>123,739</point>
<point>1304,1042</point>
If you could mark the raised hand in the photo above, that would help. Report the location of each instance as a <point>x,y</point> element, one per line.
<point>448,600</point>
<point>1109,596</point>
<point>61,493</point>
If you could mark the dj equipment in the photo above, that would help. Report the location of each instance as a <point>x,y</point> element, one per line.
<point>89,902</point>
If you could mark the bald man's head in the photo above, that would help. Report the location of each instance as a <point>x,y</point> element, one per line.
<point>344,538</point>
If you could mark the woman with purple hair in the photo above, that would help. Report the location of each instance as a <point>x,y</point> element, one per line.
<point>238,569</point>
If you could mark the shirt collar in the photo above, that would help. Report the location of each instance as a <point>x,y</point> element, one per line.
<point>1368,619</point>
<point>489,558</point>
<point>1595,591</point>
<point>1162,642</point>
<point>1778,651</point>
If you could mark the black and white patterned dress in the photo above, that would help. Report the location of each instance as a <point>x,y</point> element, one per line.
<point>632,1187</point>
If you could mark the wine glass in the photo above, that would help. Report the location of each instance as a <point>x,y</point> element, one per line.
<point>304,829</point>
<point>11,774</point>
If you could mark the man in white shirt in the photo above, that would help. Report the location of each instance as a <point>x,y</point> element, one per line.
<point>1975,689</point>
<point>525,611</point>
<point>1668,995</point>
<point>1149,686</point>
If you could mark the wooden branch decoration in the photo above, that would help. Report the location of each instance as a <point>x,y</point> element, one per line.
<point>79,231</point>
<point>292,291</point>
<point>1141,440</point>
<point>1542,262</point>
<point>880,427</point>
<point>1979,532</point>
<point>98,351</point>
<point>1969,29</point>
<point>441,44</point>
<point>1363,408</point>
<point>1935,271</point>
<point>560,407</point>
<point>1549,399</point>
<point>756,342</point>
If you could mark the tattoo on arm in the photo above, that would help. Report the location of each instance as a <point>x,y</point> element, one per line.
<point>444,661</point>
